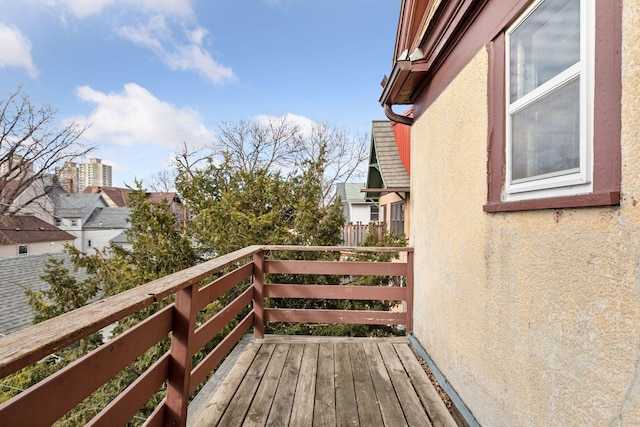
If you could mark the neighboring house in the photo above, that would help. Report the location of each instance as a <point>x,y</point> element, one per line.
<point>355,207</point>
<point>29,235</point>
<point>16,275</point>
<point>388,177</point>
<point>119,197</point>
<point>33,200</point>
<point>72,210</point>
<point>103,226</point>
<point>525,219</point>
<point>122,240</point>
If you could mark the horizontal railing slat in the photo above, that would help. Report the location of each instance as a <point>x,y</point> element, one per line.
<point>129,402</point>
<point>378,293</point>
<point>213,326</point>
<point>206,366</point>
<point>358,317</point>
<point>156,419</point>
<point>342,249</point>
<point>55,396</point>
<point>215,289</point>
<point>346,268</point>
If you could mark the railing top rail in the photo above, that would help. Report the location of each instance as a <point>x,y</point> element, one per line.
<point>27,346</point>
<point>336,248</point>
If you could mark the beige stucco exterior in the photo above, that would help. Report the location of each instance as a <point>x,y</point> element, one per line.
<point>533,317</point>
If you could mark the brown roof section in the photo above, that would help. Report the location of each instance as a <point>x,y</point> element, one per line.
<point>119,197</point>
<point>161,197</point>
<point>29,229</point>
<point>115,196</point>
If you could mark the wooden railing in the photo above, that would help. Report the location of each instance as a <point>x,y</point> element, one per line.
<point>52,398</point>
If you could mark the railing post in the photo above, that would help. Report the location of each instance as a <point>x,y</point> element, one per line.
<point>181,357</point>
<point>410,292</point>
<point>258,295</point>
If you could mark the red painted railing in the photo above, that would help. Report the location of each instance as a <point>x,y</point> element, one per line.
<point>53,397</point>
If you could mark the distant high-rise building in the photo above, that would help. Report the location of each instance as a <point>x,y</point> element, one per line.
<point>77,177</point>
<point>94,174</point>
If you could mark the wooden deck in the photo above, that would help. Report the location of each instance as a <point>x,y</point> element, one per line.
<point>309,381</point>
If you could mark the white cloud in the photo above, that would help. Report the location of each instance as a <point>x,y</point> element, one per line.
<point>137,116</point>
<point>85,8</point>
<point>15,50</point>
<point>191,56</point>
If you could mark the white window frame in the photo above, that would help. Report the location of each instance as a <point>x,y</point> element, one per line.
<point>566,184</point>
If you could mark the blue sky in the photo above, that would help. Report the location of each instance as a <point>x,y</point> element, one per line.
<point>149,75</point>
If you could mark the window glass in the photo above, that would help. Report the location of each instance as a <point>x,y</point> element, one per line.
<point>23,250</point>
<point>546,43</point>
<point>374,215</point>
<point>397,218</point>
<point>546,135</point>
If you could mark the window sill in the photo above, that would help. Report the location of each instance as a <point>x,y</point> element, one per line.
<point>584,200</point>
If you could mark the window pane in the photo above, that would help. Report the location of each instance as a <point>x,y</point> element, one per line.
<point>546,134</point>
<point>543,45</point>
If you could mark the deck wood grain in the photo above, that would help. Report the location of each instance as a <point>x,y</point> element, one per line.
<point>326,382</point>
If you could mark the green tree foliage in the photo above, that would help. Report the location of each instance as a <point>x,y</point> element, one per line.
<point>64,294</point>
<point>158,249</point>
<point>236,198</point>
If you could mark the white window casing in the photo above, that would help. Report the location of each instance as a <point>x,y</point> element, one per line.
<point>531,100</point>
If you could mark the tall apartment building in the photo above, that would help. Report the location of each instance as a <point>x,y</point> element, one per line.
<point>94,174</point>
<point>77,177</point>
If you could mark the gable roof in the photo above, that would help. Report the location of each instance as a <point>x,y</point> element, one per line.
<point>115,196</point>
<point>119,197</point>
<point>16,274</point>
<point>76,205</point>
<point>29,229</point>
<point>350,192</point>
<point>386,170</point>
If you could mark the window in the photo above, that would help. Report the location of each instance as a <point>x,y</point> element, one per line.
<point>89,243</point>
<point>374,217</point>
<point>549,105</point>
<point>58,222</point>
<point>74,222</point>
<point>23,250</point>
<point>554,107</point>
<point>397,218</point>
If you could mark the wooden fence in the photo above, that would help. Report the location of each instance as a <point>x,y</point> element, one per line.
<point>355,233</point>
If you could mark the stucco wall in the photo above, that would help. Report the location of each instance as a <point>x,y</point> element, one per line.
<point>533,317</point>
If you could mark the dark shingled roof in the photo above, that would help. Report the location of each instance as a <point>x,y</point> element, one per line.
<point>29,229</point>
<point>393,172</point>
<point>16,274</point>
<point>76,205</point>
<point>385,166</point>
<point>108,218</point>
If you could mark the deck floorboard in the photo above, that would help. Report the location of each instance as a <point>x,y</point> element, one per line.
<point>326,382</point>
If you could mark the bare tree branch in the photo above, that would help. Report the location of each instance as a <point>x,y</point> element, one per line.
<point>269,143</point>
<point>32,146</point>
